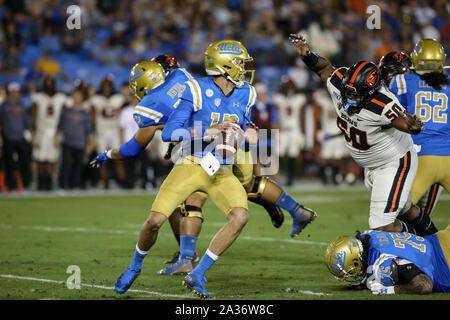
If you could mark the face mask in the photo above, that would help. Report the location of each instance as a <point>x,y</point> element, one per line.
<point>350,103</point>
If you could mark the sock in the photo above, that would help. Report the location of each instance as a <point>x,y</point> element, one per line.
<point>139,255</point>
<point>288,203</point>
<point>423,224</point>
<point>187,247</point>
<point>206,262</point>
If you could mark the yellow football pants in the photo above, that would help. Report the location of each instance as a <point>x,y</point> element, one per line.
<point>444,240</point>
<point>431,170</point>
<point>188,176</point>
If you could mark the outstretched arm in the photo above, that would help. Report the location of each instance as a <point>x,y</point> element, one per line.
<point>129,149</point>
<point>316,63</point>
<point>404,277</point>
<point>420,284</point>
<point>408,123</point>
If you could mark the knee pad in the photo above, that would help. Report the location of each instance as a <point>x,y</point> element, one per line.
<point>258,187</point>
<point>191,211</point>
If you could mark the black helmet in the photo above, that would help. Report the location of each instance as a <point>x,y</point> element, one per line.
<point>362,79</point>
<point>167,62</point>
<point>395,62</point>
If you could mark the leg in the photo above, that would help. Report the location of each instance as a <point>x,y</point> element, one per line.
<point>147,237</point>
<point>8,152</point>
<point>77,156</point>
<point>237,219</point>
<point>419,220</point>
<point>175,188</point>
<point>429,200</point>
<point>65,168</point>
<point>149,231</point>
<point>255,189</point>
<point>388,203</point>
<point>229,195</point>
<point>24,153</point>
<point>186,228</point>
<point>273,193</point>
<point>40,175</point>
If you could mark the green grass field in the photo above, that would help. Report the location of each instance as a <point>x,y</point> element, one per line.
<point>42,236</point>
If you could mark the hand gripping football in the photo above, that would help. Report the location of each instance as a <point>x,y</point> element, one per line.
<point>229,141</point>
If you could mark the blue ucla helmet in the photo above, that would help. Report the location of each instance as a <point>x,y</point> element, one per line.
<point>227,58</point>
<point>145,76</point>
<point>344,259</point>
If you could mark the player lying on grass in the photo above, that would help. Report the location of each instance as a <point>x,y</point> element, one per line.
<point>377,130</point>
<point>422,87</point>
<point>392,262</point>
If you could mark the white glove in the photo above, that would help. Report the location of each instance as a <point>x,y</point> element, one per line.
<point>378,288</point>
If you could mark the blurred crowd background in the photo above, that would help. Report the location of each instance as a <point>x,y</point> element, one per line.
<point>69,88</point>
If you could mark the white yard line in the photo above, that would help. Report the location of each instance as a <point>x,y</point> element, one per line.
<point>135,233</point>
<point>152,293</point>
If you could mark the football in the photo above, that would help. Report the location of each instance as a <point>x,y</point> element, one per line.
<point>229,142</point>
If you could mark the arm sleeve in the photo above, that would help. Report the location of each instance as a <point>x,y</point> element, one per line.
<point>399,88</point>
<point>174,129</point>
<point>151,111</point>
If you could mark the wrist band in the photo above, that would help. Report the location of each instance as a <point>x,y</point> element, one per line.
<point>311,59</point>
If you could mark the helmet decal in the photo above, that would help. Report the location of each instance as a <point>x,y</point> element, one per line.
<point>372,78</point>
<point>230,48</point>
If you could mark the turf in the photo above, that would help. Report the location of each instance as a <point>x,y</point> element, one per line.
<point>41,236</point>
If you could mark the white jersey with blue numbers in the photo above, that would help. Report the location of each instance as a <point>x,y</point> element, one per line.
<point>203,103</point>
<point>404,248</point>
<point>157,105</point>
<point>431,106</point>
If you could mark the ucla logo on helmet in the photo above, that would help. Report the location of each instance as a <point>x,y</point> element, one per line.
<point>339,259</point>
<point>230,48</point>
<point>135,74</point>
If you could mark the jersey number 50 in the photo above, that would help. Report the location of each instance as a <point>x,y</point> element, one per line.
<point>426,112</point>
<point>356,136</point>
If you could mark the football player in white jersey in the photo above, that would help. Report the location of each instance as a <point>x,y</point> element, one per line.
<point>377,130</point>
<point>289,104</point>
<point>106,105</point>
<point>334,155</point>
<point>46,108</point>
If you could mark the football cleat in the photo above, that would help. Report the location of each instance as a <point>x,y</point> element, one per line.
<point>299,222</point>
<point>193,282</point>
<point>125,280</point>
<point>275,213</point>
<point>174,258</point>
<point>182,266</point>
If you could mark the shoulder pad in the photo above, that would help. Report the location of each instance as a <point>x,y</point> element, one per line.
<point>251,98</point>
<point>377,102</point>
<point>196,93</point>
<point>337,76</point>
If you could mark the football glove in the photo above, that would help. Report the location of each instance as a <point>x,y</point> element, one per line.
<point>98,161</point>
<point>378,288</point>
